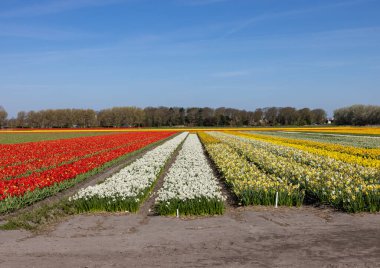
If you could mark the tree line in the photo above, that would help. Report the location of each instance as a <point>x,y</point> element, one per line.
<point>194,116</point>
<point>162,117</point>
<point>359,115</point>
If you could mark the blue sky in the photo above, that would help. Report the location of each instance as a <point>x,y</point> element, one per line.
<point>236,53</point>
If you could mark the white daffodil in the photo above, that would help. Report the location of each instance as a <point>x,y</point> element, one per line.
<point>190,177</point>
<point>134,179</point>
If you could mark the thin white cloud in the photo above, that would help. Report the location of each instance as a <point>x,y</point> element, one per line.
<point>56,6</point>
<point>201,2</point>
<point>364,37</point>
<point>278,15</point>
<point>44,33</point>
<point>230,74</point>
<point>168,45</point>
<point>43,57</point>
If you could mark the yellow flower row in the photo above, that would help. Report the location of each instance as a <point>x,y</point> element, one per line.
<point>346,189</point>
<point>205,138</point>
<point>373,153</point>
<point>353,155</point>
<point>249,183</point>
<point>337,130</point>
<point>310,159</point>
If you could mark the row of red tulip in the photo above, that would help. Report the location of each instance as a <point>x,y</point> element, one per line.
<point>41,179</point>
<point>24,159</point>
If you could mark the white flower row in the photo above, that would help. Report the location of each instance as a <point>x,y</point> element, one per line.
<point>134,179</point>
<point>190,176</point>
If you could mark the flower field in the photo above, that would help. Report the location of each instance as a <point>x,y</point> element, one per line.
<point>353,155</point>
<point>190,185</point>
<point>367,131</point>
<point>125,190</point>
<point>259,168</point>
<point>33,171</point>
<point>248,182</point>
<point>346,185</point>
<point>359,141</point>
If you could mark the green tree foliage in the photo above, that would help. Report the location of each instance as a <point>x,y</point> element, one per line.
<point>3,116</point>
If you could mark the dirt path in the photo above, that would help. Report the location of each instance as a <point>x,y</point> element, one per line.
<point>250,237</point>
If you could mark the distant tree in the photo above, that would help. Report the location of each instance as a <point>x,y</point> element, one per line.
<point>181,116</point>
<point>155,116</point>
<point>192,116</point>
<point>104,118</point>
<point>48,118</point>
<point>120,117</point>
<point>21,119</point>
<point>11,123</point>
<point>258,116</point>
<point>3,116</point>
<point>89,118</point>
<point>172,116</point>
<point>221,117</point>
<point>357,115</point>
<point>235,116</point>
<point>304,116</point>
<point>208,117</point>
<point>270,115</point>
<point>287,116</point>
<point>162,116</point>
<point>249,118</point>
<point>149,120</point>
<point>33,119</point>
<point>373,115</point>
<point>318,116</point>
<point>69,118</point>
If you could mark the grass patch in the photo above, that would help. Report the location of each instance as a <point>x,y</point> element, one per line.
<point>35,219</point>
<point>16,137</point>
<point>268,197</point>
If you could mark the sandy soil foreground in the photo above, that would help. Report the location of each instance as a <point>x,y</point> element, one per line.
<point>250,237</point>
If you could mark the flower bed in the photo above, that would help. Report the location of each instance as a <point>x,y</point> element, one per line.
<point>21,191</point>
<point>365,142</point>
<point>348,187</point>
<point>190,185</point>
<point>125,190</point>
<point>251,185</point>
<point>19,160</point>
<point>348,154</point>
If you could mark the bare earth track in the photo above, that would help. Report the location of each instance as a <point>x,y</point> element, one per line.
<point>249,237</point>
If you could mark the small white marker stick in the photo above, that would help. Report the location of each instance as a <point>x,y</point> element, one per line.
<point>276,200</point>
<point>177,213</point>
